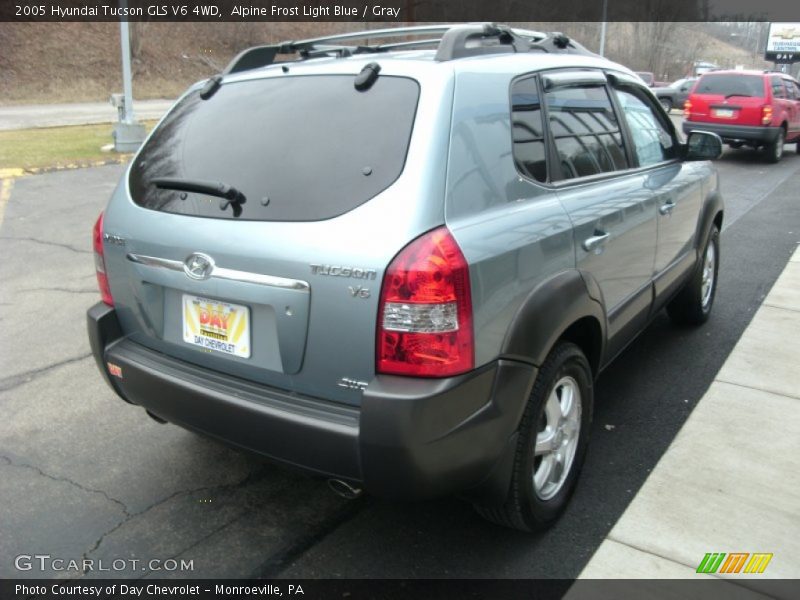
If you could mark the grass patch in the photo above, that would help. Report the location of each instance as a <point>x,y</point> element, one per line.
<point>57,146</point>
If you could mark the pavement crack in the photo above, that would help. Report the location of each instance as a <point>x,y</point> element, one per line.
<point>283,559</point>
<point>251,476</point>
<point>47,243</point>
<point>779,307</point>
<point>80,486</point>
<point>202,539</point>
<point>15,381</point>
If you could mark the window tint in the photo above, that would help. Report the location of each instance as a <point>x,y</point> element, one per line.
<point>777,87</point>
<point>299,148</point>
<point>528,130</point>
<point>791,89</point>
<point>651,139</point>
<point>585,131</point>
<point>724,85</point>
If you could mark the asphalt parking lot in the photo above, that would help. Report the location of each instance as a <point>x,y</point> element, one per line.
<point>87,476</point>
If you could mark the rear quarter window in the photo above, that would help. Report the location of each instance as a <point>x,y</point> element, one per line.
<point>302,148</point>
<point>777,87</point>
<point>528,129</point>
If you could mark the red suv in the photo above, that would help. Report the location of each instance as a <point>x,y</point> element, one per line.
<point>752,108</point>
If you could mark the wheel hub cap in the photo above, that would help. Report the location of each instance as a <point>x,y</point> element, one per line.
<point>557,438</point>
<point>707,286</point>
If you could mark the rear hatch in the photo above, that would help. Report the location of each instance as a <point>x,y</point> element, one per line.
<point>282,287</point>
<point>728,98</point>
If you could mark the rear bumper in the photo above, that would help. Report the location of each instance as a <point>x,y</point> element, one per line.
<point>410,438</point>
<point>734,132</point>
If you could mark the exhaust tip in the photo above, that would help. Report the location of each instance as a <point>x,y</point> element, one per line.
<point>155,417</point>
<point>344,489</point>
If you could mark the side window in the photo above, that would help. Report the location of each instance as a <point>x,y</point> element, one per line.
<point>777,87</point>
<point>651,140</point>
<point>585,131</point>
<point>527,129</point>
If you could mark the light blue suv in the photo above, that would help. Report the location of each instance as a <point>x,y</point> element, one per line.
<point>402,265</point>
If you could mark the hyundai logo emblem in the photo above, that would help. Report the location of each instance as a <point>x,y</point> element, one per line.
<point>198,266</point>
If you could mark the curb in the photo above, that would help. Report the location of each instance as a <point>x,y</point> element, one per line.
<point>695,500</point>
<point>14,172</point>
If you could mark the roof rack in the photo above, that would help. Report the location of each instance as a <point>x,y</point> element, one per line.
<point>453,42</point>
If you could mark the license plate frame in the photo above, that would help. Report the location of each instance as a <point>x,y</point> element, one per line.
<point>724,113</point>
<point>216,325</point>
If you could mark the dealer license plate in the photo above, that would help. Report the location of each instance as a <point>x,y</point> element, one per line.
<point>724,113</point>
<point>216,326</point>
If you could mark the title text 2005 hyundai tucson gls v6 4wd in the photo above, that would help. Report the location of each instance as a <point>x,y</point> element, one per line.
<point>402,268</point>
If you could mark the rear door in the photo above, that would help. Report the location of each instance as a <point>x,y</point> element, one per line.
<point>782,105</point>
<point>793,100</point>
<point>611,208</point>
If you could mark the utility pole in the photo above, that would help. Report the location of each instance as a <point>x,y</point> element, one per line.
<point>128,133</point>
<point>603,26</point>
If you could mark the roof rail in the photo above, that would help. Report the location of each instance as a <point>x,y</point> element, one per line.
<point>453,42</point>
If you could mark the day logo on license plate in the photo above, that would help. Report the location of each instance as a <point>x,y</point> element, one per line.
<point>218,326</point>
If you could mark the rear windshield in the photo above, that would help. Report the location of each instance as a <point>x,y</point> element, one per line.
<point>298,148</point>
<point>726,85</point>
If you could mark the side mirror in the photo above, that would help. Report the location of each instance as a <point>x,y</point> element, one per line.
<point>702,145</point>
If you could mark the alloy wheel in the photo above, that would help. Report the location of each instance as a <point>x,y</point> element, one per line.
<point>557,438</point>
<point>707,285</point>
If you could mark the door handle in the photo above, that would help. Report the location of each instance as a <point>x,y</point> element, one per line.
<point>667,208</point>
<point>598,239</point>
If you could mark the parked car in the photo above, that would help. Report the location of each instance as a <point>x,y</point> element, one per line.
<point>391,267</point>
<point>747,108</point>
<point>650,79</point>
<point>675,94</point>
<point>647,77</point>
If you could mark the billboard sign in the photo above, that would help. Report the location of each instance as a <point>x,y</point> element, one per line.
<point>783,43</point>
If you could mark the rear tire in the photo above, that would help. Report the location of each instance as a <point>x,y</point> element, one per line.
<point>735,145</point>
<point>692,305</point>
<point>666,103</point>
<point>775,148</point>
<point>553,436</point>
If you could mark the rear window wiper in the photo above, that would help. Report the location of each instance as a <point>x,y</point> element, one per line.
<point>229,195</point>
<point>742,95</point>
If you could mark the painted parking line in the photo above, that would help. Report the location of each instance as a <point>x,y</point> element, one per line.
<point>6,185</point>
<point>11,173</point>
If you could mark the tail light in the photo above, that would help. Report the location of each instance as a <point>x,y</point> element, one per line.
<point>425,310</point>
<point>100,263</point>
<point>766,114</point>
<point>687,109</point>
